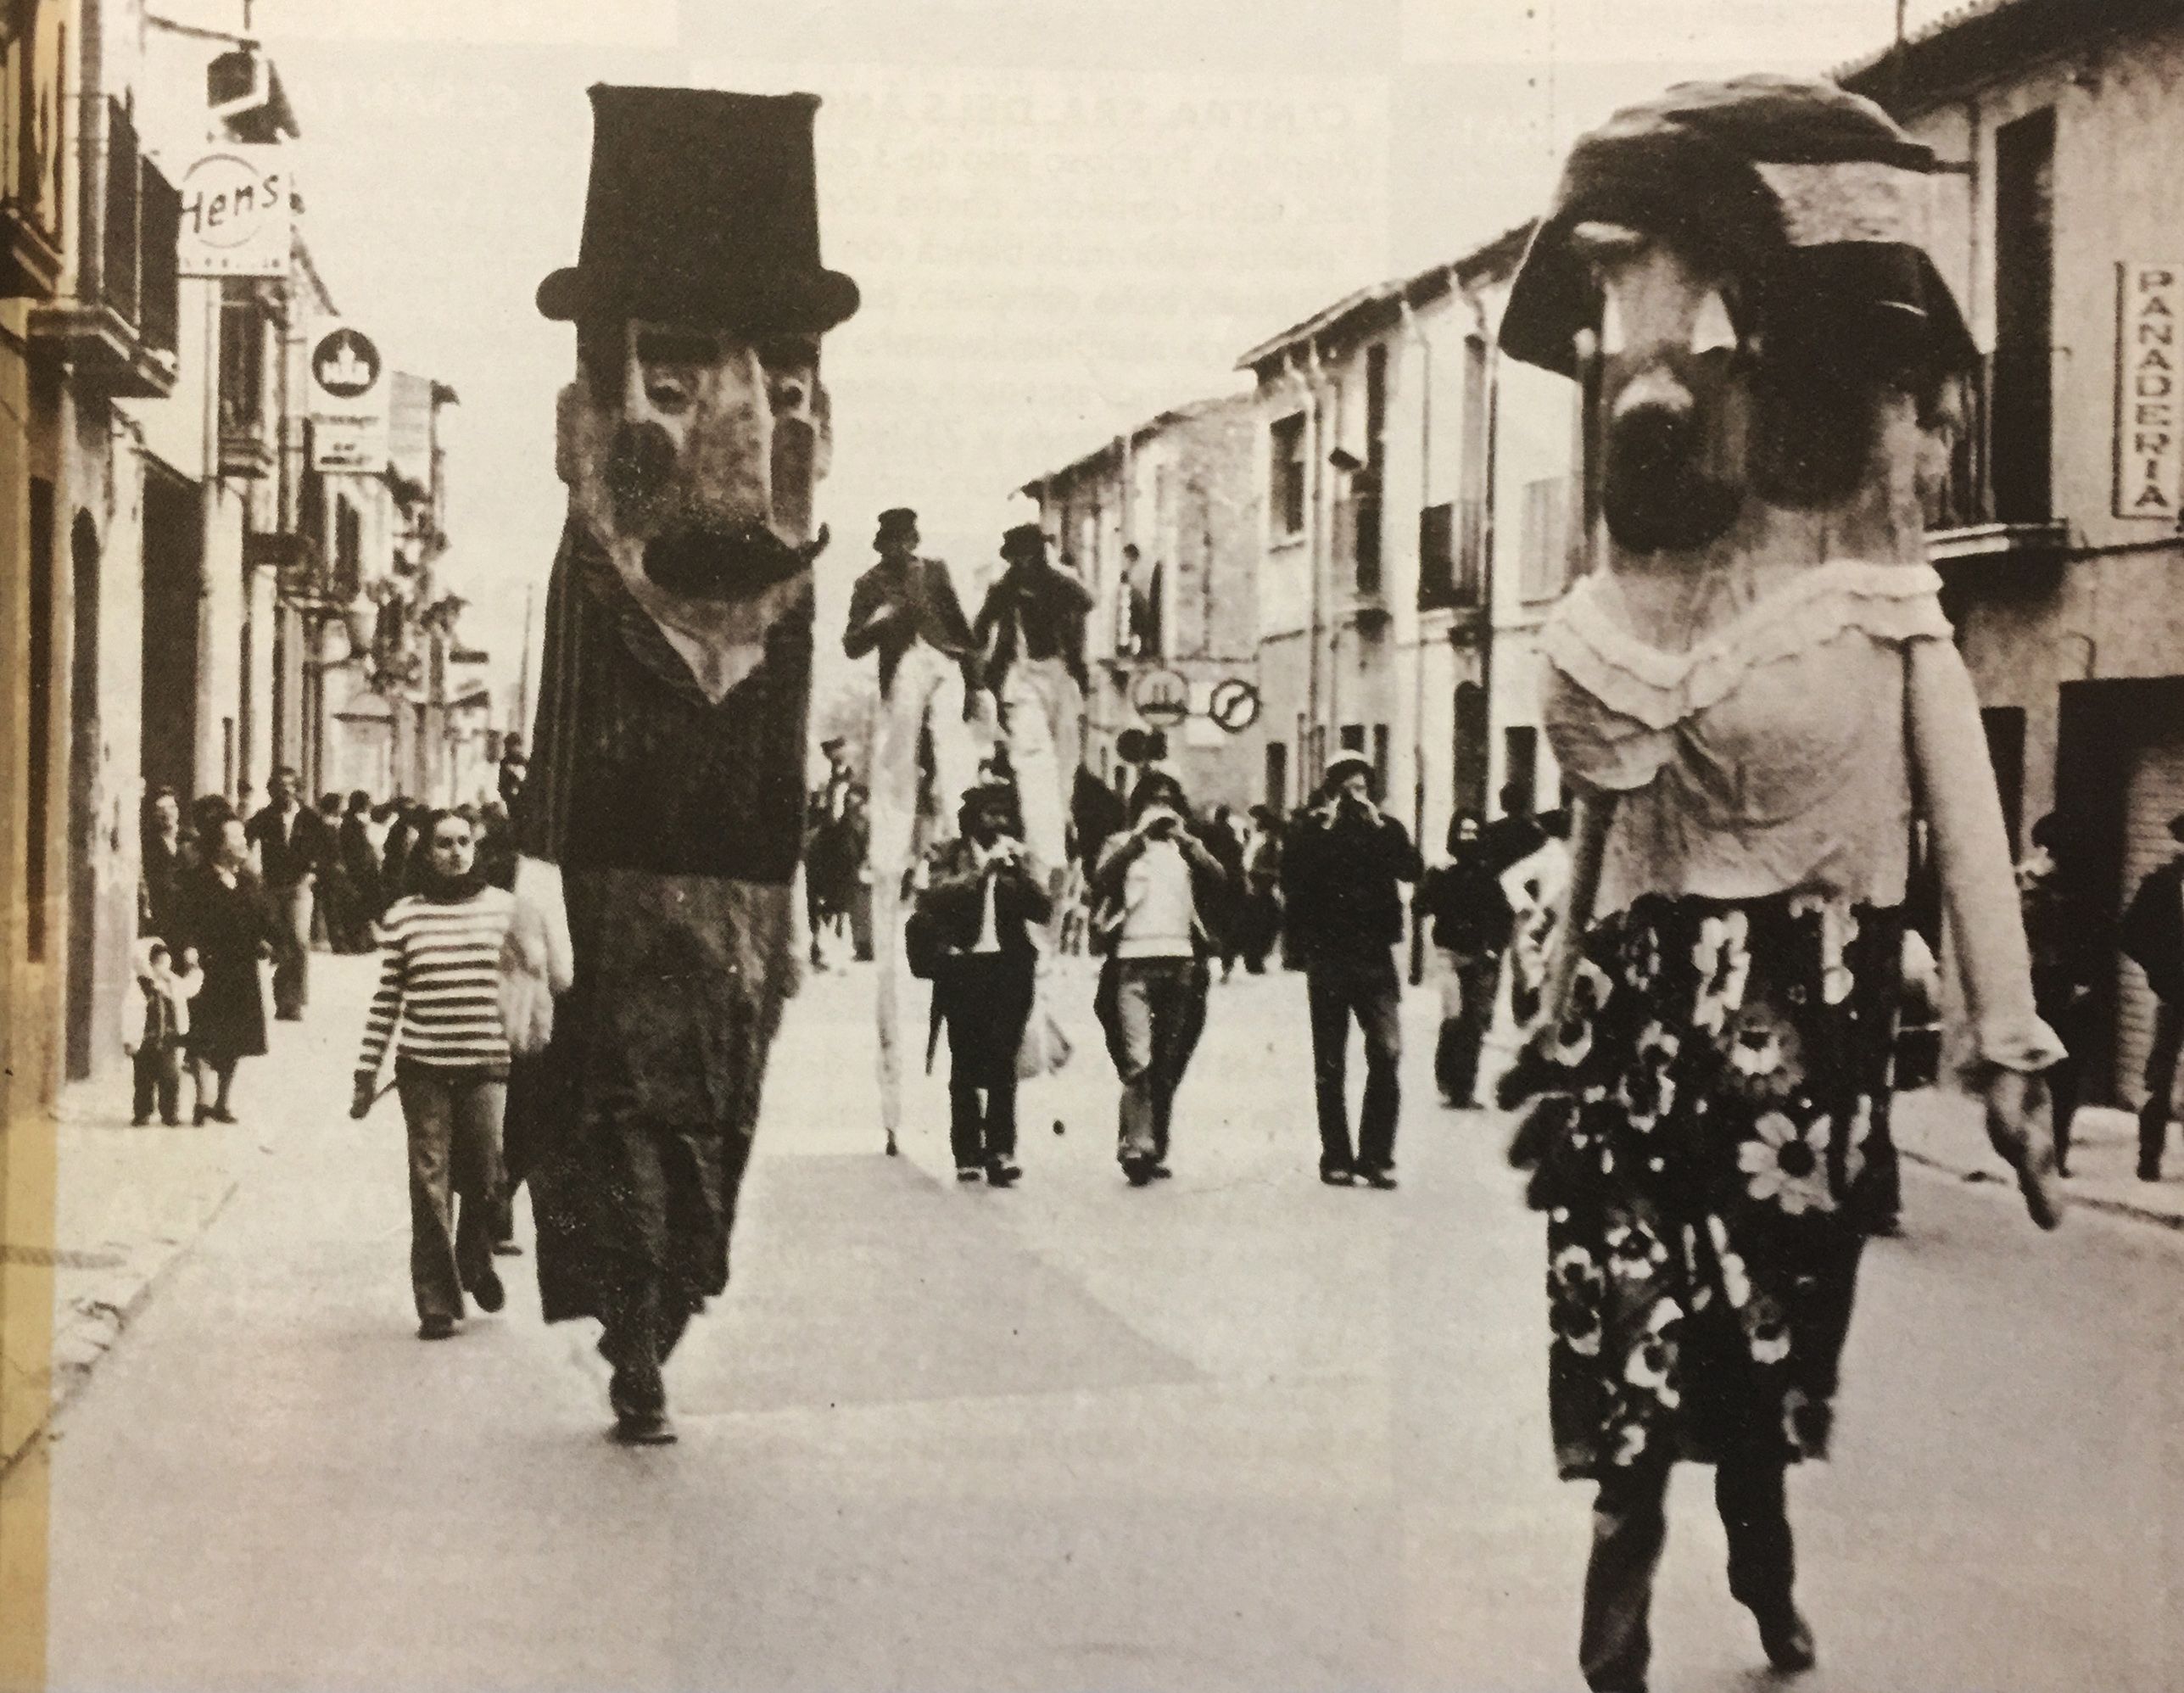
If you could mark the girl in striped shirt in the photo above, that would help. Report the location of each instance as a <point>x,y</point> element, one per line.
<point>438,1006</point>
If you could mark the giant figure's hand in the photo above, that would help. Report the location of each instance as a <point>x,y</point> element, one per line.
<point>537,961</point>
<point>2016,1114</point>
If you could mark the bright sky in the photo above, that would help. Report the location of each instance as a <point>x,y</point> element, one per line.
<point>1064,217</point>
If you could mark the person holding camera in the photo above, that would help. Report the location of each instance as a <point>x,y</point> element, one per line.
<point>987,895</point>
<point>1339,871</point>
<point>1160,895</point>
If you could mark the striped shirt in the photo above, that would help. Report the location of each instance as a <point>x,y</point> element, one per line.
<point>439,984</point>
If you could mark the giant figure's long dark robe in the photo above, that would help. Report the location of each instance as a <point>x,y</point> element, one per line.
<point>677,823</point>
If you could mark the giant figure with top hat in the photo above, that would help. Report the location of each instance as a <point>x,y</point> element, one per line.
<point>653,944</point>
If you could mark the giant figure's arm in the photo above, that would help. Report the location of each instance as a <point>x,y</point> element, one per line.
<point>870,611</point>
<point>537,957</point>
<point>1591,815</point>
<point>1971,849</point>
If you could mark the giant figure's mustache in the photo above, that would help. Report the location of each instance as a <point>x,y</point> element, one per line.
<point>707,560</point>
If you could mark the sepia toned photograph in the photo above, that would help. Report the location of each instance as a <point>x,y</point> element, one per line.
<point>993,846</point>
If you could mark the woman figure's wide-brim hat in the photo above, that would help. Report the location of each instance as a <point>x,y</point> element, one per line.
<point>702,209</point>
<point>1814,193</point>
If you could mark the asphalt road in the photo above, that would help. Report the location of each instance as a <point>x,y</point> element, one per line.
<point>1236,1430</point>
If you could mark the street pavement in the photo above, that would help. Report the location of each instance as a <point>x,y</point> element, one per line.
<point>1235,1430</point>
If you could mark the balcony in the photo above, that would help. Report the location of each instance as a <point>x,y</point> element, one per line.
<point>30,154</point>
<point>1451,555</point>
<point>117,333</point>
<point>1996,502</point>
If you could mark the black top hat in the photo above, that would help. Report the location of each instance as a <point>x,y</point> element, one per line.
<point>1025,540</point>
<point>702,208</point>
<point>897,523</point>
<point>1717,165</point>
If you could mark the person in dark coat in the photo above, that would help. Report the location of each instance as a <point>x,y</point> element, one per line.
<point>165,858</point>
<point>359,862</point>
<point>1261,919</point>
<point>1463,901</point>
<point>225,914</point>
<point>2151,936</point>
<point>1340,868</point>
<point>985,897</point>
<point>289,838</point>
<point>2070,944</point>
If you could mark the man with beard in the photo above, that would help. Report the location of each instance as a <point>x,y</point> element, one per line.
<point>659,825</point>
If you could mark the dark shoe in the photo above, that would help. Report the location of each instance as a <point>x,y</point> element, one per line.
<point>507,1249</point>
<point>1161,1172</point>
<point>2148,1172</point>
<point>1137,1172</point>
<point>1380,1176</point>
<point>968,1172</point>
<point>489,1293</point>
<point>172,1122</point>
<point>1786,1639</point>
<point>138,1122</point>
<point>199,1117</point>
<point>221,1114</point>
<point>1336,1175</point>
<point>1001,1173</point>
<point>436,1328</point>
<point>644,1428</point>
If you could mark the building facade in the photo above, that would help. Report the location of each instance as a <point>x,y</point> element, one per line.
<point>2057,537</point>
<point>1377,459</point>
<point>1163,522</point>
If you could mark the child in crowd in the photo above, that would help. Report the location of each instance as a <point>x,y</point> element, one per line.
<point>157,1021</point>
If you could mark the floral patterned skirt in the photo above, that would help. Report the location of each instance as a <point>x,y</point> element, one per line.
<point>1709,1194</point>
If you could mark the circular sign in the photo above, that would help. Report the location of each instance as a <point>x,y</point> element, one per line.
<point>345,364</point>
<point>230,201</point>
<point>1162,697</point>
<point>1234,705</point>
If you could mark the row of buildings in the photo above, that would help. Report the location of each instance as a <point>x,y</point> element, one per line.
<point>222,521</point>
<point>1371,536</point>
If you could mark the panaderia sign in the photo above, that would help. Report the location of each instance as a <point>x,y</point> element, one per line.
<point>2149,431</point>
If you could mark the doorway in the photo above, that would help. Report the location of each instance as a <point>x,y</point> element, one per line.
<point>83,759</point>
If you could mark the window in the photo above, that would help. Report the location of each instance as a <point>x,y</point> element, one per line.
<point>1277,775</point>
<point>1520,762</point>
<point>2005,734</point>
<point>348,549</point>
<point>1542,562</point>
<point>1380,759</point>
<point>242,361</point>
<point>37,811</point>
<point>2022,394</point>
<point>1286,481</point>
<point>1437,557</point>
<point>1469,760</point>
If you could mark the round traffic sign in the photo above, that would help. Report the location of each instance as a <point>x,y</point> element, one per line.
<point>345,364</point>
<point>1162,697</point>
<point>1234,704</point>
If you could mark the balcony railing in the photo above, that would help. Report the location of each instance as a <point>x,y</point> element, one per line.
<point>1997,496</point>
<point>117,330</point>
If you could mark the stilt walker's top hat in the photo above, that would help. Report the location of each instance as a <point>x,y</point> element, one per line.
<point>702,209</point>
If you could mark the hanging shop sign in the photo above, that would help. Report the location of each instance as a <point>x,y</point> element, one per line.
<point>238,212</point>
<point>2150,422</point>
<point>348,391</point>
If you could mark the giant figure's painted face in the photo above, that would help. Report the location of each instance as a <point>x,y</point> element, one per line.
<point>1673,421</point>
<point>693,455</point>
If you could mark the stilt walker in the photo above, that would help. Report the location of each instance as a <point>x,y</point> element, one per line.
<point>905,609</point>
